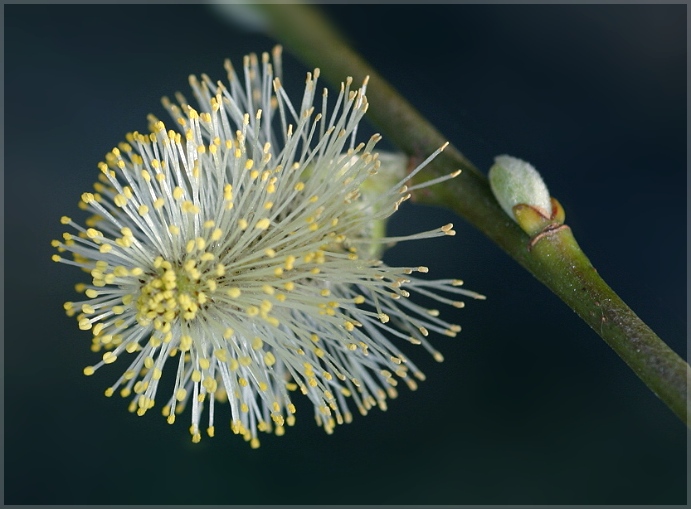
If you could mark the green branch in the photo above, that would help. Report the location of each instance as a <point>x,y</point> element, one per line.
<point>552,256</point>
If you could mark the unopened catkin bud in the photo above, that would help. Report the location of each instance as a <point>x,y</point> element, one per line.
<point>521,192</point>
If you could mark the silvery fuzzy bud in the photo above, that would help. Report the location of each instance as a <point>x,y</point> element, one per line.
<point>523,195</point>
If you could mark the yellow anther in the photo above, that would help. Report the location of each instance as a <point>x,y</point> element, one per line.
<point>185,343</point>
<point>141,386</point>
<point>221,354</point>
<point>189,207</point>
<point>109,358</point>
<point>210,384</point>
<point>217,234</point>
<point>269,359</point>
<point>207,257</point>
<point>89,370</point>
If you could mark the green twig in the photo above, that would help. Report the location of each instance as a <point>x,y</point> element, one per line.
<point>555,258</point>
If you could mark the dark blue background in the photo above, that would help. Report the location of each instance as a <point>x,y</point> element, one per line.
<point>530,405</point>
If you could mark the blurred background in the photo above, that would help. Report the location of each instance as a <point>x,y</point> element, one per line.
<point>530,405</point>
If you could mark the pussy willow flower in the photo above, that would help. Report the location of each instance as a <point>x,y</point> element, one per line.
<point>243,254</point>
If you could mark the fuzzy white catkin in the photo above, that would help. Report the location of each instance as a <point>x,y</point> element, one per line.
<point>240,258</point>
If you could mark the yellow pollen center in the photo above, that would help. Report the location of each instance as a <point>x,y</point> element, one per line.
<point>173,292</point>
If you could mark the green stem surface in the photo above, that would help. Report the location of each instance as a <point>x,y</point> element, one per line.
<point>556,260</point>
